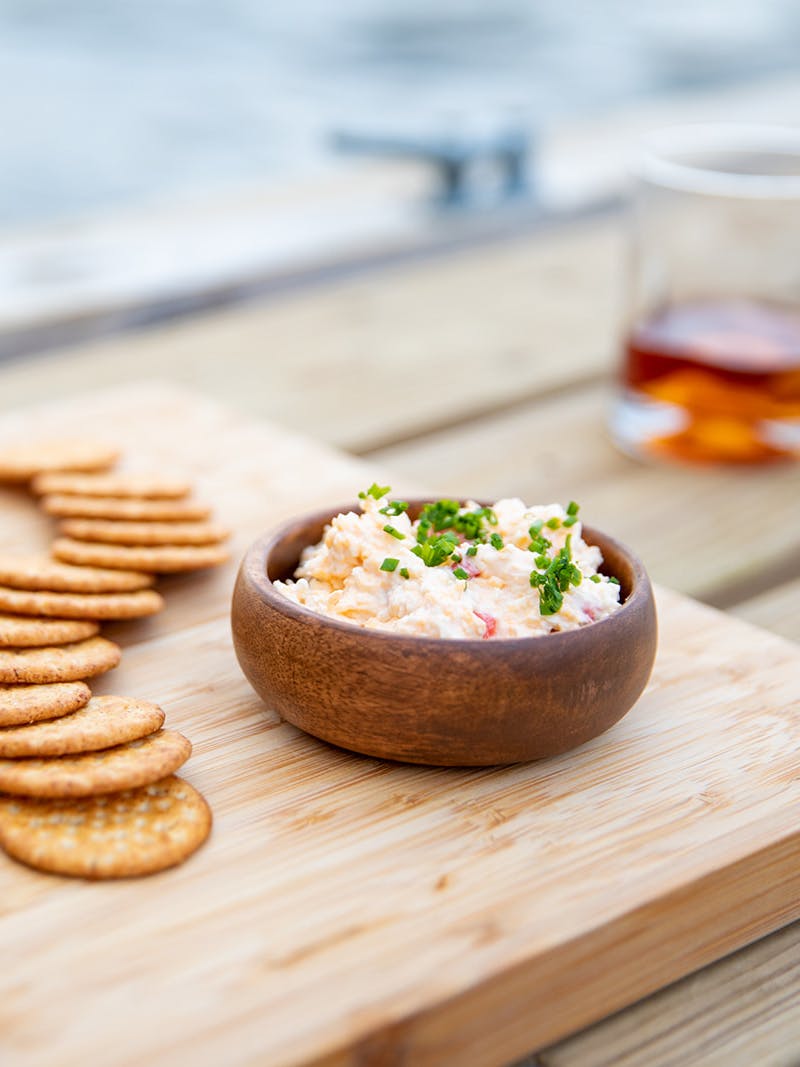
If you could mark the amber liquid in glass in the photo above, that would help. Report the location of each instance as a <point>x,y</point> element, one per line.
<point>721,380</point>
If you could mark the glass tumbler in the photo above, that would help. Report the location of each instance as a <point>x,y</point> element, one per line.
<point>711,351</point>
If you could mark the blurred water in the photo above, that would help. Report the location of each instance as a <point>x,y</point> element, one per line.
<point>107,103</point>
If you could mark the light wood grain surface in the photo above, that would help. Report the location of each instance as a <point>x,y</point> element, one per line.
<point>348,911</point>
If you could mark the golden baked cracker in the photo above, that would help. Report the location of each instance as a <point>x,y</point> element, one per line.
<point>41,572</point>
<point>20,704</point>
<point>166,559</point>
<point>147,486</point>
<point>144,533</point>
<point>81,605</point>
<point>18,463</point>
<point>102,723</point>
<point>59,663</point>
<point>65,506</point>
<point>26,631</point>
<point>137,832</point>
<point>123,767</point>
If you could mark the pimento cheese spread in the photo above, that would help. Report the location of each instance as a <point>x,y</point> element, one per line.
<point>458,571</point>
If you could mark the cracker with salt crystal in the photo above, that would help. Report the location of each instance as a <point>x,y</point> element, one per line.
<point>126,766</point>
<point>136,832</point>
<point>20,704</point>
<point>59,663</point>
<point>104,722</point>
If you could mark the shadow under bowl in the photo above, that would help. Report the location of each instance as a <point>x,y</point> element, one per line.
<point>445,702</point>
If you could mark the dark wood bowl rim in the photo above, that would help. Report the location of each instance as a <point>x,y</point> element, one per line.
<point>260,550</point>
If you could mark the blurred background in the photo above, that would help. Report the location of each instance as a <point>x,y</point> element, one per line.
<point>163,155</point>
<point>115,104</point>
<point>403,230</point>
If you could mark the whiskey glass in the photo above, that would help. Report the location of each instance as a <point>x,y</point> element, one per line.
<point>711,343</point>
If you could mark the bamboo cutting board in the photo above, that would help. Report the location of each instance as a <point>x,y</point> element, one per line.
<point>348,911</point>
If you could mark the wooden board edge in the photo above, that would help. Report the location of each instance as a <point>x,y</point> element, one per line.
<point>533,1004</point>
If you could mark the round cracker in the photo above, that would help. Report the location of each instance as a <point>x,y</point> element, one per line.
<point>20,704</point>
<point>128,510</point>
<point>144,533</point>
<point>41,572</point>
<point>102,723</point>
<point>147,486</point>
<point>136,832</point>
<point>126,766</point>
<point>18,463</point>
<point>60,663</point>
<point>81,605</point>
<point>167,559</point>
<point>25,631</point>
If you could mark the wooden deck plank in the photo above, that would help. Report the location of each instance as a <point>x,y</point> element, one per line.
<point>701,531</point>
<point>777,610</point>
<point>370,359</point>
<point>743,1010</point>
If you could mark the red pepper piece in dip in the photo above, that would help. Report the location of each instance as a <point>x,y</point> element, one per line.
<point>469,566</point>
<point>490,622</point>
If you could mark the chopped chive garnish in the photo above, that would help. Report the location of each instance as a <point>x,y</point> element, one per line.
<point>436,550</point>
<point>558,575</point>
<point>449,515</point>
<point>389,564</point>
<point>595,578</point>
<point>472,550</point>
<point>394,507</point>
<point>553,524</point>
<point>497,541</point>
<point>570,520</point>
<point>404,572</point>
<point>535,529</point>
<point>456,557</point>
<point>375,491</point>
<point>441,514</point>
<point>614,581</point>
<point>395,533</point>
<point>461,574</point>
<point>573,508</point>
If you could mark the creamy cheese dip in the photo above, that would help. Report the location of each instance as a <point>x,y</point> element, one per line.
<point>459,571</point>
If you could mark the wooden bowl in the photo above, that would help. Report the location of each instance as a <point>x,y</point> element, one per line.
<point>432,700</point>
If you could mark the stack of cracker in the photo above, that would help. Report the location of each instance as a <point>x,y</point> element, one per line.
<point>87,784</point>
<point>90,779</point>
<point>132,522</point>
